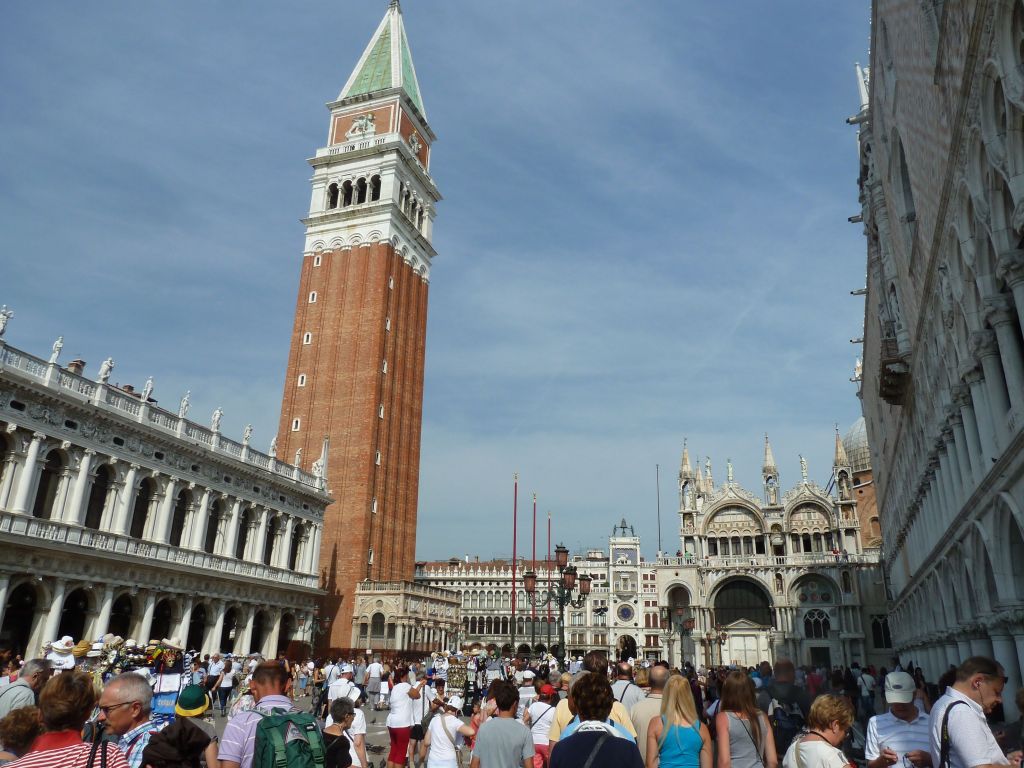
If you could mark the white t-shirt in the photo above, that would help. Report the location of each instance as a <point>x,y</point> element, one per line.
<point>442,751</point>
<point>401,712</point>
<point>376,669</point>
<point>342,688</point>
<point>358,727</point>
<point>541,715</point>
<point>229,678</point>
<point>215,668</point>
<point>421,706</point>
<point>867,684</point>
<point>814,754</point>
<point>971,741</point>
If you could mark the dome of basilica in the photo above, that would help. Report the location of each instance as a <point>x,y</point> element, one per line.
<point>856,444</point>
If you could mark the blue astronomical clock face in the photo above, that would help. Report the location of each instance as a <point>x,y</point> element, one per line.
<point>625,613</point>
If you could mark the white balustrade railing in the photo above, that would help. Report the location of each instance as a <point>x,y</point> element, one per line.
<point>122,402</point>
<point>803,558</point>
<point>85,390</point>
<point>116,544</point>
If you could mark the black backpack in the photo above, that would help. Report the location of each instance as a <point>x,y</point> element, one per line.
<point>787,720</point>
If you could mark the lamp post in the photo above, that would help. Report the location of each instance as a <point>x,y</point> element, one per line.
<point>683,624</point>
<point>562,595</point>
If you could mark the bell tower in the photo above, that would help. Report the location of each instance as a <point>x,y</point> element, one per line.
<point>355,368</point>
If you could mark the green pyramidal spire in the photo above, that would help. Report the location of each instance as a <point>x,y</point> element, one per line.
<point>386,62</point>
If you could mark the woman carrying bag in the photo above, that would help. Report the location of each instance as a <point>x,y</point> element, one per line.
<point>743,733</point>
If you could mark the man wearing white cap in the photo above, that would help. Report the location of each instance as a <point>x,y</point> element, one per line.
<point>343,685</point>
<point>902,731</point>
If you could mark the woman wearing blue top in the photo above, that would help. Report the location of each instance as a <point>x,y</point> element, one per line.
<point>677,738</point>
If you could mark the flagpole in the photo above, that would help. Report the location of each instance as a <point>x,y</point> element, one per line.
<point>515,524</point>
<point>533,609</point>
<point>548,564</point>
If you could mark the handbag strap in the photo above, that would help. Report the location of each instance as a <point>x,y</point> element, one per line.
<point>750,735</point>
<point>597,748</point>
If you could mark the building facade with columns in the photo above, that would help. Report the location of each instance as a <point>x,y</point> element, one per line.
<point>119,516</point>
<point>405,616</point>
<point>755,577</point>
<point>941,136</point>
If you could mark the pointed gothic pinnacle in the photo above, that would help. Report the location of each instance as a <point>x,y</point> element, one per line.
<point>769,467</point>
<point>840,459</point>
<point>685,469</point>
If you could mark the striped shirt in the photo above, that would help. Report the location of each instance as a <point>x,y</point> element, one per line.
<point>133,743</point>
<point>65,749</point>
<point>239,739</point>
<point>887,731</point>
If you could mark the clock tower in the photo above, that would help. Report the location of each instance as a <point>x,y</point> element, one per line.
<point>353,393</point>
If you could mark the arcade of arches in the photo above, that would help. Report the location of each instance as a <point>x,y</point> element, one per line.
<point>35,610</point>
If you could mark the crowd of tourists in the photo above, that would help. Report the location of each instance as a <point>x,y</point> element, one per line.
<point>451,710</point>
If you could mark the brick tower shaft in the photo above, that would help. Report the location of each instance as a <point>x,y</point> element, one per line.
<point>355,368</point>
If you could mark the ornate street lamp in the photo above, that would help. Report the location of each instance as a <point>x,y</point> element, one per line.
<point>562,596</point>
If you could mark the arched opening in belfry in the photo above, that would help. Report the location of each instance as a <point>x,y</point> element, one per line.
<point>361,190</point>
<point>375,188</point>
<point>332,196</point>
<point>346,194</point>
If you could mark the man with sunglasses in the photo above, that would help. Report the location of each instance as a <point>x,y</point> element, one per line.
<point>125,707</point>
<point>960,735</point>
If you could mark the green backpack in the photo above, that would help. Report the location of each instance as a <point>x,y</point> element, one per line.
<point>287,740</point>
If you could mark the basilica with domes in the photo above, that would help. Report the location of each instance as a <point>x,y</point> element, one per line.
<point>787,572</point>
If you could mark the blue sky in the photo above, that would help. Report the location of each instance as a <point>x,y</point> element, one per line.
<point>643,236</point>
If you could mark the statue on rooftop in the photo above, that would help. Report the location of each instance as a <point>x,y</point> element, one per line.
<point>105,368</point>
<point>147,389</point>
<point>803,467</point>
<point>298,458</point>
<point>184,406</point>
<point>5,315</point>
<point>273,447</point>
<point>217,416</point>
<point>247,434</point>
<point>58,345</point>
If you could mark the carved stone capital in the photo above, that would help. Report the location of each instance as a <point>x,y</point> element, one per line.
<point>1011,265</point>
<point>998,311</point>
<point>983,344</point>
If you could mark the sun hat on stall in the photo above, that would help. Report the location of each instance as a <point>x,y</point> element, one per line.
<point>192,701</point>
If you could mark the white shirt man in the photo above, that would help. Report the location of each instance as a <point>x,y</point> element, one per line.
<point>977,690</point>
<point>903,730</point>
<point>343,685</point>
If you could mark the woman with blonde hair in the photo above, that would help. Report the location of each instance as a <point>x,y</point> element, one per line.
<point>827,723</point>
<point>677,738</point>
<point>744,735</point>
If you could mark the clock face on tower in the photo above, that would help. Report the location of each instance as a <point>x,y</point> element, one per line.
<point>625,613</point>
